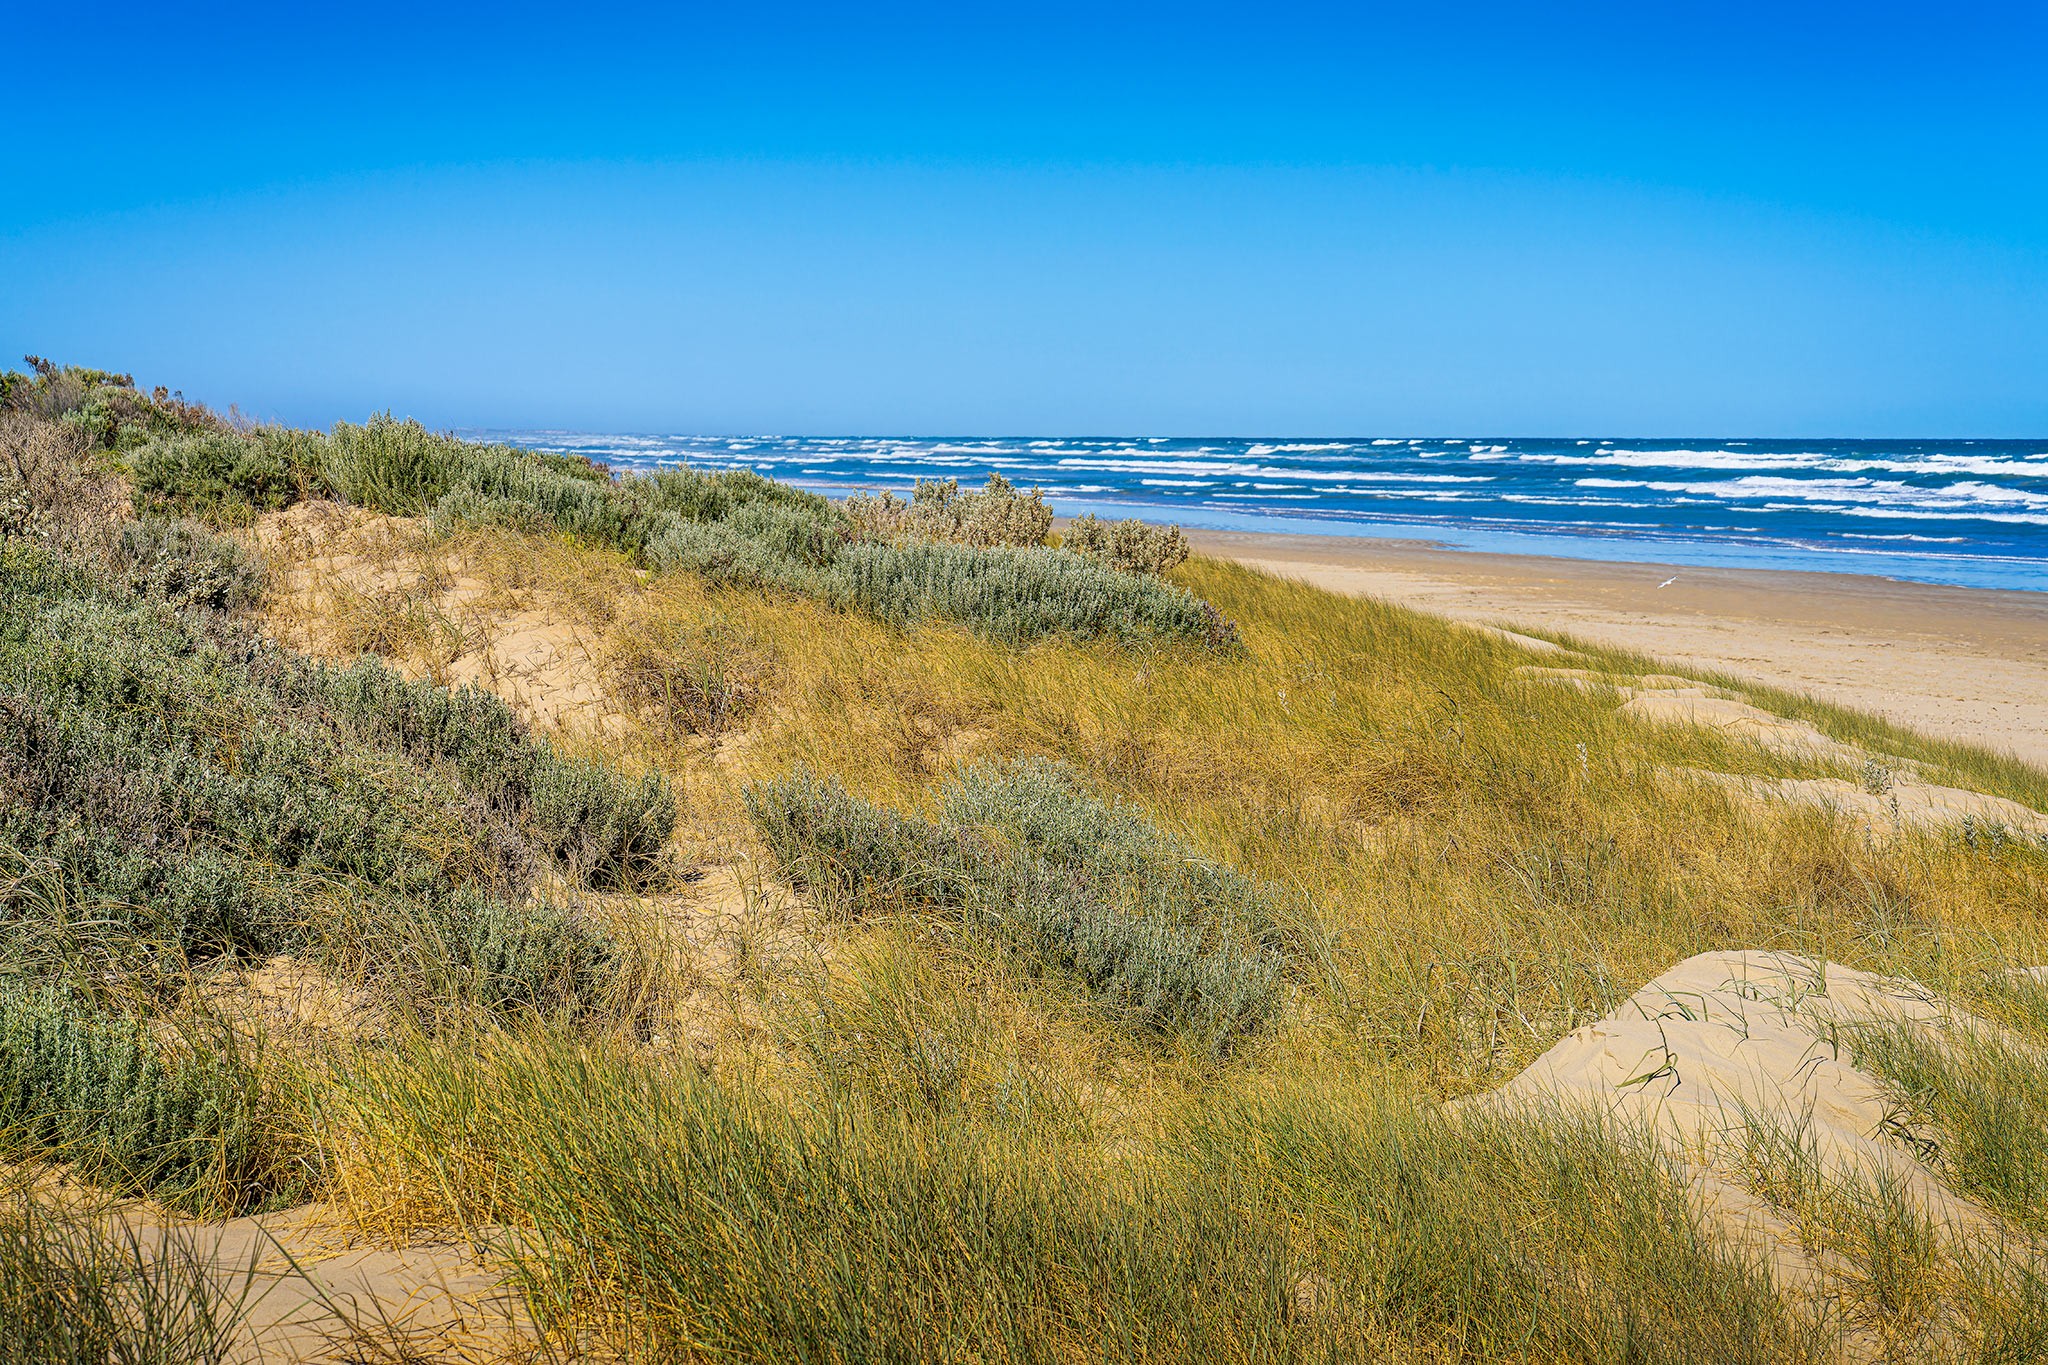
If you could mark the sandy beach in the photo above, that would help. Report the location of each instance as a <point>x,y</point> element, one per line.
<point>1967,663</point>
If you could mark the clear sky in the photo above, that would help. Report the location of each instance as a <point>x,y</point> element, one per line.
<point>1186,219</point>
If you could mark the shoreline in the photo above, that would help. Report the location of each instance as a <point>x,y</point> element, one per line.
<point>1959,662</point>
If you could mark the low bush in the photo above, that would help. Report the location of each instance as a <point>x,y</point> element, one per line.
<point>187,565</point>
<point>103,409</point>
<point>1130,545</point>
<point>188,784</point>
<point>223,476</point>
<point>938,510</point>
<point>534,957</point>
<point>608,830</point>
<point>977,558</point>
<point>183,1122</point>
<point>1021,595</point>
<point>1164,939</point>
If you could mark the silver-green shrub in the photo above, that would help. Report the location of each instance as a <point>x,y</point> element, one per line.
<point>978,558</point>
<point>95,1090</point>
<point>938,510</point>
<point>1130,545</point>
<point>184,563</point>
<point>1160,936</point>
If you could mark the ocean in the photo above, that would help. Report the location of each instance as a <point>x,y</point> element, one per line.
<point>1973,513</point>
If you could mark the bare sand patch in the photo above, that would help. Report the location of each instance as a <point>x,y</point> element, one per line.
<point>1727,1052</point>
<point>346,581</point>
<point>1900,803</point>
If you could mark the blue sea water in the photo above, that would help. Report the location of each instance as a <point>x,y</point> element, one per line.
<point>1965,512</point>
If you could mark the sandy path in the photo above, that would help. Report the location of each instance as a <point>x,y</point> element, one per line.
<point>1966,663</point>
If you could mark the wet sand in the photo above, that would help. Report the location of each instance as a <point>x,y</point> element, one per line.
<point>1965,663</point>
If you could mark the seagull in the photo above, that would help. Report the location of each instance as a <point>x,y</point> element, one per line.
<point>1669,581</point>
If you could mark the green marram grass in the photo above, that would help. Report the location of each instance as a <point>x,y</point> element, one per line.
<point>76,1290</point>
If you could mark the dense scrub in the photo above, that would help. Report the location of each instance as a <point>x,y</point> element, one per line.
<point>1131,545</point>
<point>177,792</point>
<point>189,1122</point>
<point>938,510</point>
<point>195,784</point>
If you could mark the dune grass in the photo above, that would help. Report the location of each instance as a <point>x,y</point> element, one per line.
<point>1311,1225</point>
<point>1987,1098</point>
<point>72,1290</point>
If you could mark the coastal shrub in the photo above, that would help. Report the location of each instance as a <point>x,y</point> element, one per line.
<point>938,510</point>
<point>188,784</point>
<point>1164,939</point>
<point>851,856</point>
<point>975,557</point>
<point>535,956</point>
<point>716,494</point>
<point>222,476</point>
<point>101,408</point>
<point>1044,805</point>
<point>1020,595</point>
<point>187,565</point>
<point>392,466</point>
<point>182,1123</point>
<point>473,730</point>
<point>402,468</point>
<point>1131,545</point>
<point>50,491</point>
<point>608,830</point>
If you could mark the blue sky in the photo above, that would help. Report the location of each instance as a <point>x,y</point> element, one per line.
<point>1190,219</point>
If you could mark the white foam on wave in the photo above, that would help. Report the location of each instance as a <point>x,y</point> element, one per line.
<point>1989,466</point>
<point>1826,494</point>
<point>1681,459</point>
<point>2004,518</point>
<point>1236,469</point>
<point>1548,500</point>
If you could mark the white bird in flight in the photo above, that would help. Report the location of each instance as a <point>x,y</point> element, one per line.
<point>1669,581</point>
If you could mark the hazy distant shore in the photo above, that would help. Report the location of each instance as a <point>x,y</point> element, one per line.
<point>1968,663</point>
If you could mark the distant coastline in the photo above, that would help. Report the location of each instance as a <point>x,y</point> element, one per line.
<point>1968,513</point>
